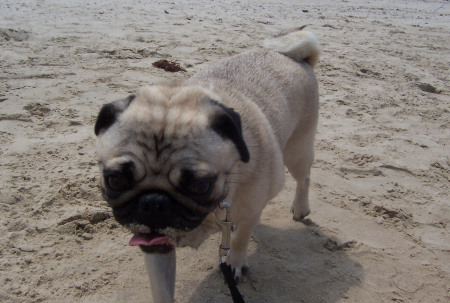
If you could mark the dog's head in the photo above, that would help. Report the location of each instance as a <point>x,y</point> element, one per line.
<point>166,156</point>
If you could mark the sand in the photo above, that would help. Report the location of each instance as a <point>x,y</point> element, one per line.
<point>378,230</point>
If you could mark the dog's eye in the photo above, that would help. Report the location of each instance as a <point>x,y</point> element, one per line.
<point>199,187</point>
<point>196,183</point>
<point>117,182</point>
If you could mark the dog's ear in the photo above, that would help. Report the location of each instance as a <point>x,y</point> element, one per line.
<point>227,123</point>
<point>109,113</point>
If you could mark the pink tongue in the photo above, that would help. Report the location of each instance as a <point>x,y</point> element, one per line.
<point>150,239</point>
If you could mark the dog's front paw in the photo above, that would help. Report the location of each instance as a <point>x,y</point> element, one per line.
<point>239,266</point>
<point>238,273</point>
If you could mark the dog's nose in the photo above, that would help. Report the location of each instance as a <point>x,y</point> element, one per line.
<point>154,204</point>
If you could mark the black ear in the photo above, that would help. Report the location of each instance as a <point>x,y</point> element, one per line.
<point>109,113</point>
<point>227,123</point>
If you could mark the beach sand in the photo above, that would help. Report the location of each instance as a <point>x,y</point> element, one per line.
<point>378,230</point>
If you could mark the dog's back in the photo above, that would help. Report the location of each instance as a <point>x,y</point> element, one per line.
<point>279,80</point>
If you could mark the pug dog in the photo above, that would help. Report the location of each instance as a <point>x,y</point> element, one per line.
<point>170,154</point>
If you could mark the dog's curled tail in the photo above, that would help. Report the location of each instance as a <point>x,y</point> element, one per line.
<point>297,44</point>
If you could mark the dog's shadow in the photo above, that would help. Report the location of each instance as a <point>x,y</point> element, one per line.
<point>298,264</point>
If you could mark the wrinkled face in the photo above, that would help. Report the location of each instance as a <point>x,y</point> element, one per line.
<point>165,157</point>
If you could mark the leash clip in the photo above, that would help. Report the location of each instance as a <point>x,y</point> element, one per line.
<point>227,228</point>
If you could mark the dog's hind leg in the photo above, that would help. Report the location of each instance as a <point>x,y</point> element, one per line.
<point>298,158</point>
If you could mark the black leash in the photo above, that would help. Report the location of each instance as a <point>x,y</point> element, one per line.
<point>232,285</point>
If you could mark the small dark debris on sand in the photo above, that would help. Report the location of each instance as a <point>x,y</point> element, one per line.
<point>428,88</point>
<point>12,34</point>
<point>168,66</point>
<point>333,246</point>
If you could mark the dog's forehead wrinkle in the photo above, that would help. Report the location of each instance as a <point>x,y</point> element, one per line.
<point>159,147</point>
<point>171,123</point>
<point>173,110</point>
<point>157,152</point>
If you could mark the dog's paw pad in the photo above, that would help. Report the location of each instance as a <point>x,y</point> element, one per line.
<point>237,275</point>
<point>240,272</point>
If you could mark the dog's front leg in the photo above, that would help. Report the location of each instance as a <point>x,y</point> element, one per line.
<point>239,246</point>
<point>161,271</point>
